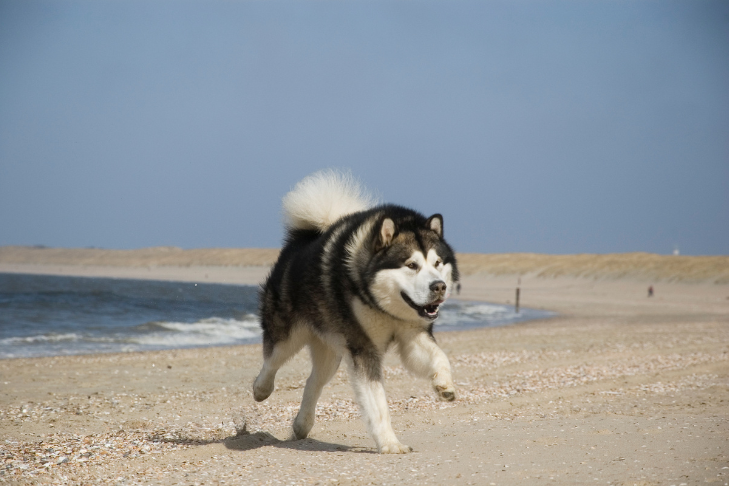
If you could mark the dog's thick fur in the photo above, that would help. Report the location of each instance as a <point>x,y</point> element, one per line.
<point>351,281</point>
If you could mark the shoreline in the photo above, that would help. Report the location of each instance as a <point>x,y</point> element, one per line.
<point>249,275</point>
<point>496,314</point>
<point>618,386</point>
<point>550,293</point>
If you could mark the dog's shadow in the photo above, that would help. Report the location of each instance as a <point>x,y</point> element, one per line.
<point>247,442</point>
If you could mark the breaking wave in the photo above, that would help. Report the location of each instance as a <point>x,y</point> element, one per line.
<point>213,331</point>
<point>457,315</point>
<point>42,338</point>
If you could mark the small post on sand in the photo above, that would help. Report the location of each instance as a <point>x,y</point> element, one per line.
<point>516,307</point>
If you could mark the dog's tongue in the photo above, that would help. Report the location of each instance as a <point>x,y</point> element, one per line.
<point>431,308</point>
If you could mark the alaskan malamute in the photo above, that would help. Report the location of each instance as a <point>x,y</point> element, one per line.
<point>351,281</point>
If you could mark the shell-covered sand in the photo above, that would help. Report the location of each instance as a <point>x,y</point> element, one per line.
<point>619,388</point>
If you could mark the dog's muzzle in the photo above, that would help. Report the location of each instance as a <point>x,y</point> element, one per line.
<point>427,311</point>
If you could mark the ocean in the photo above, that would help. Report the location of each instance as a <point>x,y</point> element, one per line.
<point>44,315</point>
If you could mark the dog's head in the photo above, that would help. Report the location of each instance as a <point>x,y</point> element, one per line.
<point>412,268</point>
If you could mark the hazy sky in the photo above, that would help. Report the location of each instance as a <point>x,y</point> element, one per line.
<point>532,126</point>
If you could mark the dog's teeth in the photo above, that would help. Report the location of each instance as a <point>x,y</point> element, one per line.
<point>431,309</point>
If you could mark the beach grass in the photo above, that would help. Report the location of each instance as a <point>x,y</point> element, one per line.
<point>636,265</point>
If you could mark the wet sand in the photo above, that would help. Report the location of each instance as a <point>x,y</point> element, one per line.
<point>618,388</point>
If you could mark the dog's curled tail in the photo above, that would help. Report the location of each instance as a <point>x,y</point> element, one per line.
<point>319,200</point>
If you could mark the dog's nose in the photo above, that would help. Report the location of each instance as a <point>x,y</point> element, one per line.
<point>438,286</point>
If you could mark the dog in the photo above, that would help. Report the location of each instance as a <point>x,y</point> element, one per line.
<point>352,280</point>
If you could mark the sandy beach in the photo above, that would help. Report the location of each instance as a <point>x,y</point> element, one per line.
<point>618,389</point>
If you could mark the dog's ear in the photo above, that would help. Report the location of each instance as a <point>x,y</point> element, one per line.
<point>386,234</point>
<point>435,223</point>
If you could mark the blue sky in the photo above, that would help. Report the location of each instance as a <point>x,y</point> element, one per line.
<point>550,127</point>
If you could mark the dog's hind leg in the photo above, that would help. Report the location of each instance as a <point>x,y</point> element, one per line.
<point>325,362</point>
<point>422,356</point>
<point>279,353</point>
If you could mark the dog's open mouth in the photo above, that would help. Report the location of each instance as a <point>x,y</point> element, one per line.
<point>428,311</point>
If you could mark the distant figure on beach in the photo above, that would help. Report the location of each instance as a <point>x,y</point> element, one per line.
<point>650,291</point>
<point>458,288</point>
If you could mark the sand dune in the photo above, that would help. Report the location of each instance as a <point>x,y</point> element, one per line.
<point>641,266</point>
<point>637,265</point>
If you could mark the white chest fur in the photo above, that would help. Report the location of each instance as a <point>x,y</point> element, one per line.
<point>380,327</point>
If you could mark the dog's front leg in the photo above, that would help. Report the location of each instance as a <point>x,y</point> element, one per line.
<point>422,356</point>
<point>370,395</point>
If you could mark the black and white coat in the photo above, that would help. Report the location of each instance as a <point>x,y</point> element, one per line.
<point>351,281</point>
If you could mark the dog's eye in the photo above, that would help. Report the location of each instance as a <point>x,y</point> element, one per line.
<point>438,263</point>
<point>412,266</point>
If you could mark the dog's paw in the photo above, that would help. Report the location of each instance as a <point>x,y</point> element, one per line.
<point>301,429</point>
<point>395,448</point>
<point>261,391</point>
<point>443,386</point>
<point>447,393</point>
